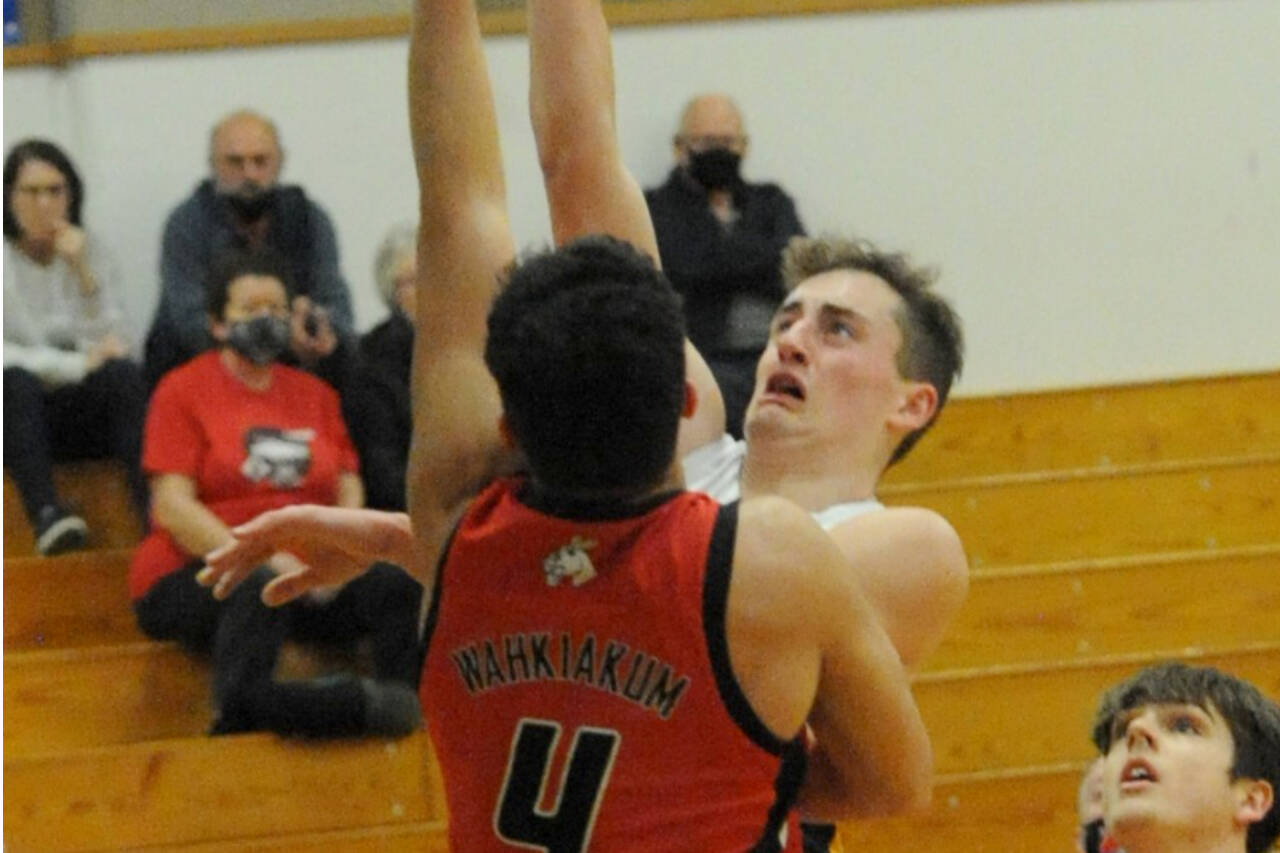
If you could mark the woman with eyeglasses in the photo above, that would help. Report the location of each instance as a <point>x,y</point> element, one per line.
<point>70,390</point>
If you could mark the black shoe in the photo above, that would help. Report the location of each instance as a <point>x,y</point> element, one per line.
<point>58,530</point>
<point>391,709</point>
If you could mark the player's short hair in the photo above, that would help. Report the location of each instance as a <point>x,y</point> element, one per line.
<point>586,343</point>
<point>1254,721</point>
<point>932,339</point>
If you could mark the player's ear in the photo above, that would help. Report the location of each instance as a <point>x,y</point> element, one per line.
<point>1255,800</point>
<point>690,400</point>
<point>917,407</point>
<point>505,433</point>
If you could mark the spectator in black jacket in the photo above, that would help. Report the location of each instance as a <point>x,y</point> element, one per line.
<point>721,240</point>
<point>376,393</point>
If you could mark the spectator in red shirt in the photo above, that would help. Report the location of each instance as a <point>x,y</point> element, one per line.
<point>229,435</point>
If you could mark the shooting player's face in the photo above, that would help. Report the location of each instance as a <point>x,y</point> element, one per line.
<point>830,368</point>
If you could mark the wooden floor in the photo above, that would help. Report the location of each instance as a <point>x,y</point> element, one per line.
<point>1106,528</point>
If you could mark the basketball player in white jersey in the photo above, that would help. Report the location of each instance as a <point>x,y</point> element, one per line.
<point>850,378</point>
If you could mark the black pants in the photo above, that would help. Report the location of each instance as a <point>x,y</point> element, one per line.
<point>98,417</point>
<point>244,637</point>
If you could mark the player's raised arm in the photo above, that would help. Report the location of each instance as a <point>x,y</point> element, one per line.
<point>464,242</point>
<point>589,189</point>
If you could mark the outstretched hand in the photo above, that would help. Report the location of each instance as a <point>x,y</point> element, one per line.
<point>308,547</point>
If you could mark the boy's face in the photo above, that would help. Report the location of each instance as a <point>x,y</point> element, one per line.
<point>1167,778</point>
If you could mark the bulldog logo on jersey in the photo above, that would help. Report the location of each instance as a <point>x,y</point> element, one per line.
<point>570,561</point>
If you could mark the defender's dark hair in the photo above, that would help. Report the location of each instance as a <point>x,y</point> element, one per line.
<point>1254,721</point>
<point>932,340</point>
<point>39,149</point>
<point>586,343</point>
<point>233,263</point>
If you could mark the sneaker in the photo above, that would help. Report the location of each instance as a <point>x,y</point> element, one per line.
<point>391,709</point>
<point>58,530</point>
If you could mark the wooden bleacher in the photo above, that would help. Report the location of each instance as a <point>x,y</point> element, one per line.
<point>95,489</point>
<point>1107,528</point>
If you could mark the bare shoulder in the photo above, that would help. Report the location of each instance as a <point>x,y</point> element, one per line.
<point>911,563</point>
<point>783,553</point>
<point>926,536</point>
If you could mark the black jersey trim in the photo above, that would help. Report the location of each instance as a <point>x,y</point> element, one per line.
<point>437,591</point>
<point>786,788</point>
<point>715,600</point>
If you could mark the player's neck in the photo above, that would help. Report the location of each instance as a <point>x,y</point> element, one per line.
<point>672,481</point>
<point>813,478</point>
<point>1167,842</point>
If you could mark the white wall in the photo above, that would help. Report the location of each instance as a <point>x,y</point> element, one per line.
<point>1099,182</point>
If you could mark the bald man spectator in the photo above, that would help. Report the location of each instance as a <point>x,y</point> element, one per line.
<point>721,241</point>
<point>242,205</point>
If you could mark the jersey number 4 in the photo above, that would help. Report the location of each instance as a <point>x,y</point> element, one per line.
<point>567,827</point>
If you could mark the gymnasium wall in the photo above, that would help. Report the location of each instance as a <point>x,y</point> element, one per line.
<point>1099,182</point>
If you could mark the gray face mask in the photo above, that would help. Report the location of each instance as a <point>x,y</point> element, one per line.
<point>261,339</point>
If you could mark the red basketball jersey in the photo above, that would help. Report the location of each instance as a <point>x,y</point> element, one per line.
<point>578,691</point>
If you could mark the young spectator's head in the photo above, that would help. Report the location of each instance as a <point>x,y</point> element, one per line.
<point>1192,762</point>
<point>1089,809</point>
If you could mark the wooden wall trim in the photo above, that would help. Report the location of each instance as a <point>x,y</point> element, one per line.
<point>494,22</point>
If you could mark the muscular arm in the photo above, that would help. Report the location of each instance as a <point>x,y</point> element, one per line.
<point>464,242</point>
<point>804,640</point>
<point>589,189</point>
<point>912,566</point>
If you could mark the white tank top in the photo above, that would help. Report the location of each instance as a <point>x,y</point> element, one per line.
<point>715,469</point>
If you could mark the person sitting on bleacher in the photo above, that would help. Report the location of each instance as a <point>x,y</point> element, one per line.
<point>233,433</point>
<point>70,390</point>
<point>375,396</point>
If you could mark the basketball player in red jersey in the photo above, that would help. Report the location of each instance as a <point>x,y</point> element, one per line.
<point>612,663</point>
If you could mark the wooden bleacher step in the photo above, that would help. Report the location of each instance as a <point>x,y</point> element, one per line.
<point>206,790</point>
<point>103,695</point>
<point>425,837</point>
<point>95,489</point>
<point>1205,418</point>
<point>1007,717</point>
<point>1110,606</point>
<point>71,699</point>
<point>56,702</point>
<point>68,601</point>
<point>1029,809</point>
<point>1054,519</point>
<point>1047,611</point>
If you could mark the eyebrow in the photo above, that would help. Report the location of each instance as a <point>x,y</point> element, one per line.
<point>826,309</point>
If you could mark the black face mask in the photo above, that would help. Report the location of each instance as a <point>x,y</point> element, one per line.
<point>251,201</point>
<point>1091,836</point>
<point>715,168</point>
<point>262,339</point>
